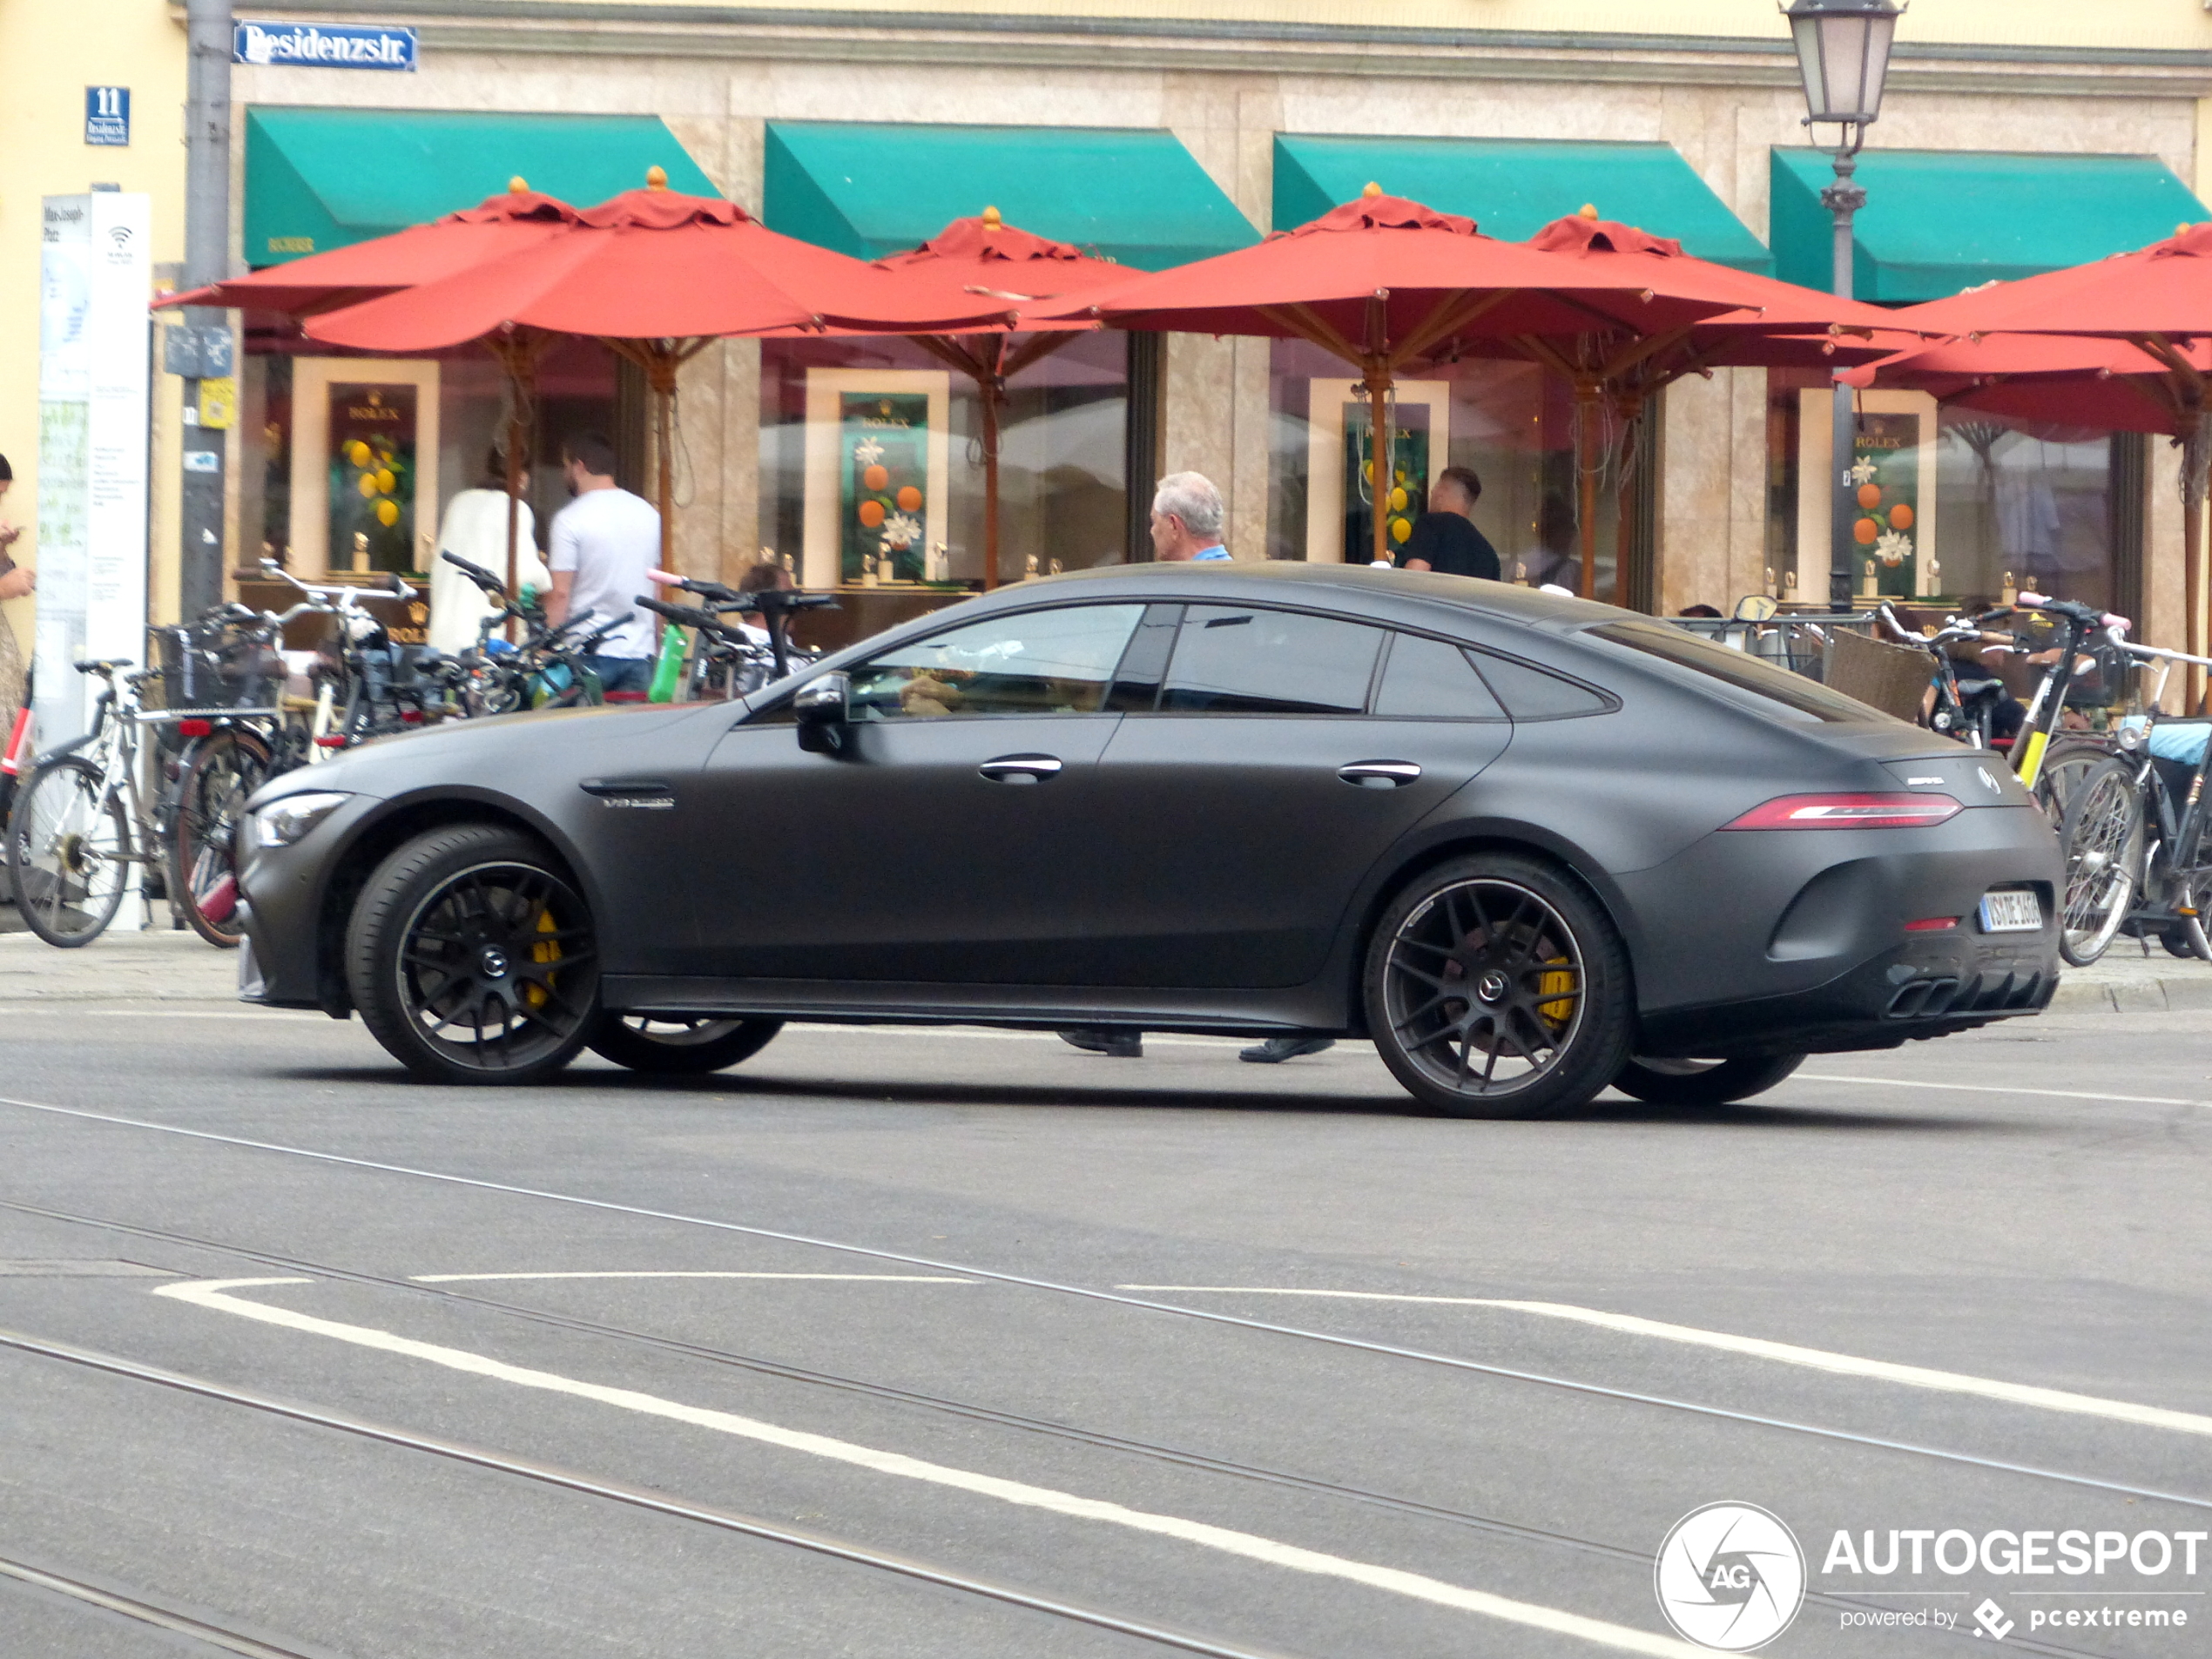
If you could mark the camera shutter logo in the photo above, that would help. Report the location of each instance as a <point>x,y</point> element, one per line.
<point>1731,1577</point>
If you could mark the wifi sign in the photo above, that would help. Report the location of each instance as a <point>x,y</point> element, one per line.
<point>107,115</point>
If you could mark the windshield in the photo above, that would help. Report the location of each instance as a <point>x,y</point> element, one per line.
<point>1801,699</point>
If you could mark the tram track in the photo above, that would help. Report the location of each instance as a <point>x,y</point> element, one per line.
<point>220,1638</point>
<point>1641,1561</point>
<point>621,1492</point>
<point>1211,1316</point>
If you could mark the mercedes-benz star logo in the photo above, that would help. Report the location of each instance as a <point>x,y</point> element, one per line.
<point>1731,1577</point>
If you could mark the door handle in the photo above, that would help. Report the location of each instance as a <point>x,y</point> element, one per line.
<point>1020,769</point>
<point>1380,774</point>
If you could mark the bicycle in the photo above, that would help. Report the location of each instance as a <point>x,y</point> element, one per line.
<point>732,661</point>
<point>2136,836</point>
<point>80,822</point>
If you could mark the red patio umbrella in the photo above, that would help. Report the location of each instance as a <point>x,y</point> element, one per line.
<point>985,258</point>
<point>658,276</point>
<point>1770,323</point>
<point>346,276</point>
<point>1384,284</point>
<point>2079,380</point>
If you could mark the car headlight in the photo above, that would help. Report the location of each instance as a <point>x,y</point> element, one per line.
<point>282,822</point>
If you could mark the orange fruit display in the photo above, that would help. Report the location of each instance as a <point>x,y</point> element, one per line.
<point>1900,517</point>
<point>1870,495</point>
<point>910,500</point>
<point>872,514</point>
<point>1865,530</point>
<point>876,477</point>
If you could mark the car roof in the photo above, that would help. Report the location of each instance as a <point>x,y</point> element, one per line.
<point>1250,578</point>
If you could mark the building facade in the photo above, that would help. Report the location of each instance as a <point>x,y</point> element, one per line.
<point>2016,136</point>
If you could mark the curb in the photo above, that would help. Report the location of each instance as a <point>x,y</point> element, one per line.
<point>2131,996</point>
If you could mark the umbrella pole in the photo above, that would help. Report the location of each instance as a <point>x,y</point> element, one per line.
<point>2196,455</point>
<point>1586,394</point>
<point>664,383</point>
<point>1377,384</point>
<point>987,386</point>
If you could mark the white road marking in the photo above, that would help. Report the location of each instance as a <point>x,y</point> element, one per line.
<point>214,1294</point>
<point>874,1279</point>
<point>1999,1089</point>
<point>1951,1382</point>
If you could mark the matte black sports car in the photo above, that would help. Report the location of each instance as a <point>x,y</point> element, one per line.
<point>1530,847</point>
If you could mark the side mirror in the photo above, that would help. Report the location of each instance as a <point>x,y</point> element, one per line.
<point>820,710</point>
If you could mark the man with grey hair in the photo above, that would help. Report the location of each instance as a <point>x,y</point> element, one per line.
<point>1187,517</point>
<point>1186,524</point>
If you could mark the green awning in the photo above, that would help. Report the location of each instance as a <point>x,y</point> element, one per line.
<point>1131,194</point>
<point>1513,187</point>
<point>317,179</point>
<point>1936,222</point>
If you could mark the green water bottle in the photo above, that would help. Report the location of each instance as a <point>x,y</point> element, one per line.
<point>668,672</point>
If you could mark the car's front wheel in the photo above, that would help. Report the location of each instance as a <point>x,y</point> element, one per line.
<point>1496,987</point>
<point>472,960</point>
<point>675,1047</point>
<point>1703,1083</point>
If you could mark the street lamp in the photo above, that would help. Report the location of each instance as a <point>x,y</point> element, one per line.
<point>1844,55</point>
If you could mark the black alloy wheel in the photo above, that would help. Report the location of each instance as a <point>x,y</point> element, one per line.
<point>472,959</point>
<point>677,1046</point>
<point>1702,1083</point>
<point>1496,987</point>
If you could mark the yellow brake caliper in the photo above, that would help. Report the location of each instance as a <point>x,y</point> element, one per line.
<point>1559,988</point>
<point>549,950</point>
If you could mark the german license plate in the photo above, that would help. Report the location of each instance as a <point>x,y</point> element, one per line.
<point>2011,912</point>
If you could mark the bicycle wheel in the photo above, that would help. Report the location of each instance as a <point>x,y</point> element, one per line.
<point>2065,768</point>
<point>210,799</point>
<point>68,844</point>
<point>2102,839</point>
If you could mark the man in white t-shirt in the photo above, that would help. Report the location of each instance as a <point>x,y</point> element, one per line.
<point>475,528</point>
<point>602,546</point>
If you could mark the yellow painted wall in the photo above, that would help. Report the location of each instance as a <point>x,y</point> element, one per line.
<point>2156,25</point>
<point>50,52</point>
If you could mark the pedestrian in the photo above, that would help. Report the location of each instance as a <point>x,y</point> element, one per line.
<point>1444,538</point>
<point>1186,524</point>
<point>16,581</point>
<point>475,529</point>
<point>603,547</point>
<point>1187,517</point>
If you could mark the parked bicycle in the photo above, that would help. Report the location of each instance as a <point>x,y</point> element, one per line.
<point>2138,846</point>
<point>548,668</point>
<point>730,662</point>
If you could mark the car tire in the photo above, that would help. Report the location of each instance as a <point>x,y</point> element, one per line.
<point>1703,1083</point>
<point>1496,986</point>
<point>474,929</point>
<point>675,1048</point>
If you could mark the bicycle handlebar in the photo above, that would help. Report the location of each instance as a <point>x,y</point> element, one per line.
<point>476,573</point>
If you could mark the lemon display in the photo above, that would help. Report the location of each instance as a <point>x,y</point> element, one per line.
<point>1397,499</point>
<point>387,513</point>
<point>357,452</point>
<point>366,484</point>
<point>386,483</point>
<point>1401,529</point>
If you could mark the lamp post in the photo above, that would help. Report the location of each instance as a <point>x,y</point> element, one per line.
<point>1844,54</point>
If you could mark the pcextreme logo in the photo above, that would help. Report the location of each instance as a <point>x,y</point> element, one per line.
<point>1731,1577</point>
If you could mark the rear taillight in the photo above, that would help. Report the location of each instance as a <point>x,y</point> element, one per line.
<point>190,728</point>
<point>1849,812</point>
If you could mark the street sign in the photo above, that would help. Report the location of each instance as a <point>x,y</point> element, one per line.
<point>323,45</point>
<point>217,402</point>
<point>198,354</point>
<point>107,115</point>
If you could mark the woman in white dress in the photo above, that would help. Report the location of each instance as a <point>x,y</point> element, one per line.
<point>475,528</point>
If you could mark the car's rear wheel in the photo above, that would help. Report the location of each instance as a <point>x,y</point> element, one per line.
<point>472,960</point>
<point>1496,987</point>
<point>1702,1083</point>
<point>677,1046</point>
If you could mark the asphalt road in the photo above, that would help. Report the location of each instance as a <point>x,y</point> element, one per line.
<point>967,1344</point>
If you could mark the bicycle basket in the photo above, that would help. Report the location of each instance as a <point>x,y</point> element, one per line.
<point>205,667</point>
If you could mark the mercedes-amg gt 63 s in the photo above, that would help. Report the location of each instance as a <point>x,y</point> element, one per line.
<point>1526,845</point>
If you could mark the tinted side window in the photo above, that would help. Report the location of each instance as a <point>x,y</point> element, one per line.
<point>1531,694</point>
<point>1427,676</point>
<point>1233,661</point>
<point>1037,662</point>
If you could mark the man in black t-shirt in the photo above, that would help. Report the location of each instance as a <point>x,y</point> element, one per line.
<point>1445,537</point>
